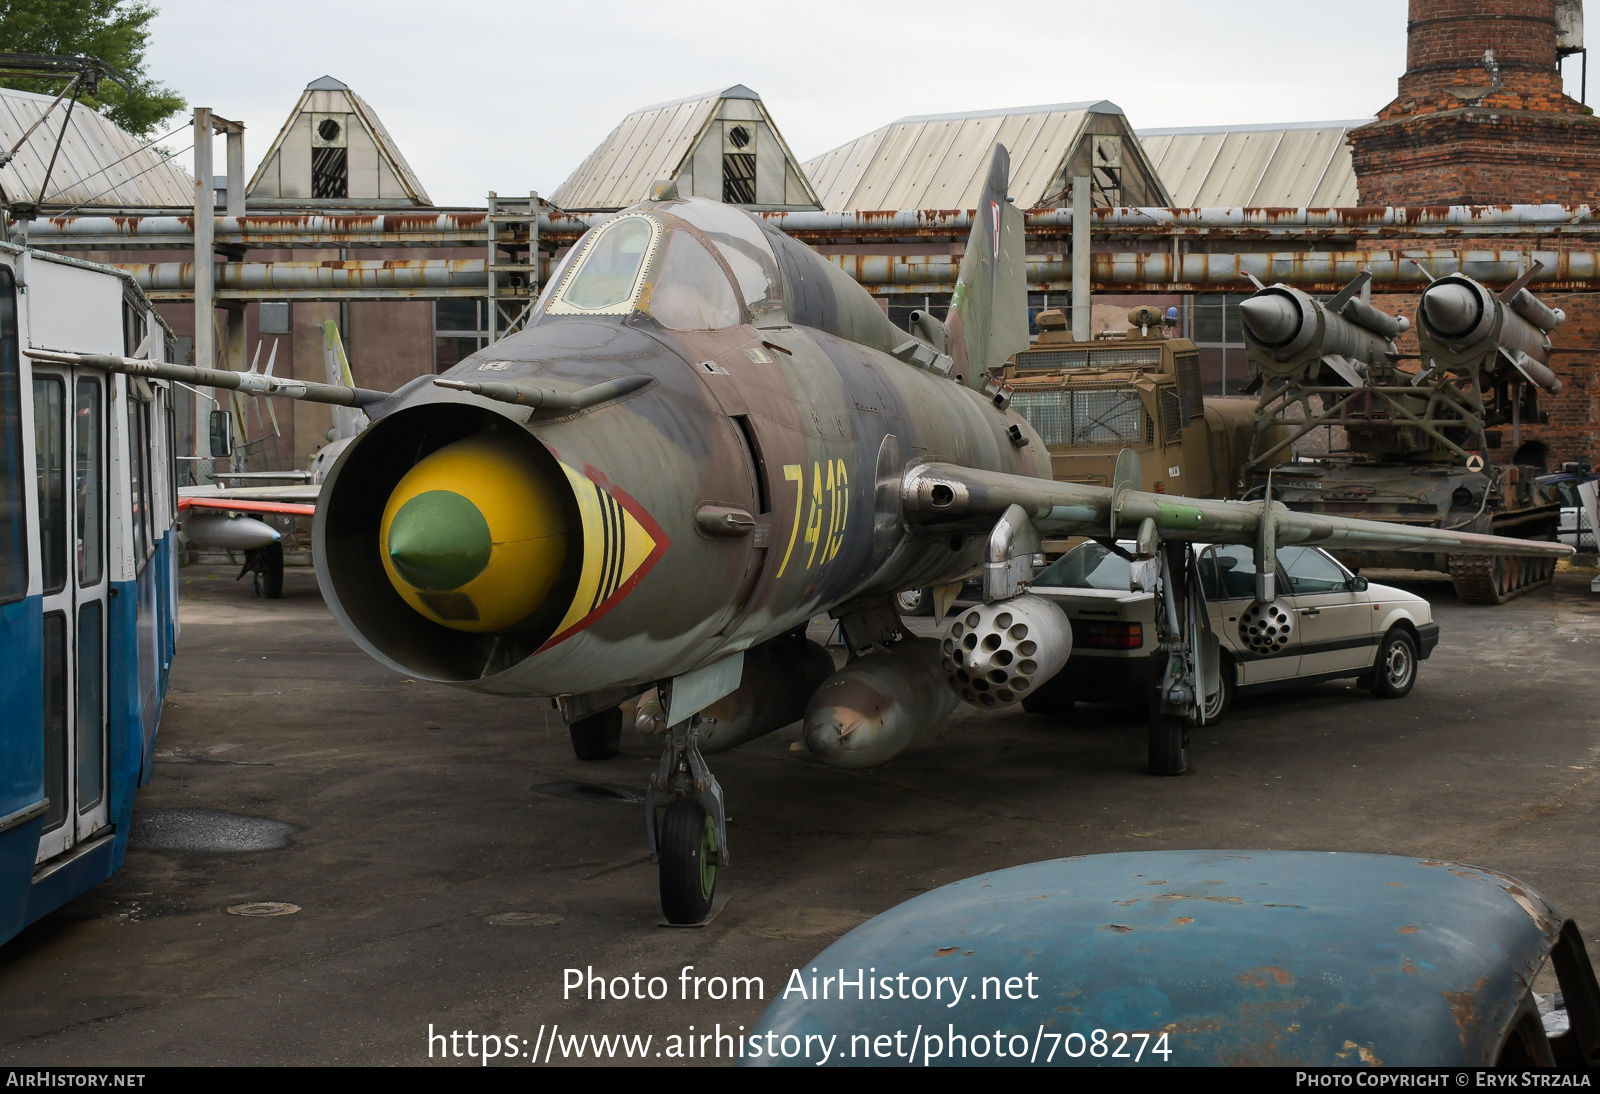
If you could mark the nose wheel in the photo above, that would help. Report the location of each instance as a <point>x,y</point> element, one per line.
<point>687,829</point>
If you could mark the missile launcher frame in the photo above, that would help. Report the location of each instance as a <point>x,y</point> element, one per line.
<point>1424,446</point>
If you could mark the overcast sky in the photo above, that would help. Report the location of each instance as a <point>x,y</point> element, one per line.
<point>511,96</point>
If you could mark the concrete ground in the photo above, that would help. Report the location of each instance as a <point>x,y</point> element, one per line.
<point>451,858</point>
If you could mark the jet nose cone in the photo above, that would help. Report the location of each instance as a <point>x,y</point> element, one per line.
<point>439,541</point>
<point>1273,319</point>
<point>1451,309</point>
<point>474,536</point>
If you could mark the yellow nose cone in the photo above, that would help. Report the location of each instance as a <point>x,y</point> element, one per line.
<point>473,536</point>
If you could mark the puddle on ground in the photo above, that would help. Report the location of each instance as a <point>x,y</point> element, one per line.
<point>591,792</point>
<point>207,830</point>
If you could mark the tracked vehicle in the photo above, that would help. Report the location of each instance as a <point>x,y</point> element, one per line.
<point>1425,445</point>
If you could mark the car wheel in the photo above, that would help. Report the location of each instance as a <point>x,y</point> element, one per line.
<point>915,602</point>
<point>1216,706</point>
<point>1395,671</point>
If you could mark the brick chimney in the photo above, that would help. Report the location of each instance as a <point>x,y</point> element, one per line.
<point>1480,117</point>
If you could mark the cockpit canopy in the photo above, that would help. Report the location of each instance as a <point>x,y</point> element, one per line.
<point>690,264</point>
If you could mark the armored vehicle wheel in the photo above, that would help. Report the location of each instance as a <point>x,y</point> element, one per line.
<point>270,567</point>
<point>599,736</point>
<point>1168,741</point>
<point>688,872</point>
<point>1494,579</point>
<point>915,602</point>
<point>1394,673</point>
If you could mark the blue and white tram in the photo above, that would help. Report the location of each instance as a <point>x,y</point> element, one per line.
<point>88,601</point>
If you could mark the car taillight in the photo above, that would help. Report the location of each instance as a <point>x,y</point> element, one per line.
<point>1111,636</point>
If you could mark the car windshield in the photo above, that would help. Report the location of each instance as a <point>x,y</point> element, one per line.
<point>1087,566</point>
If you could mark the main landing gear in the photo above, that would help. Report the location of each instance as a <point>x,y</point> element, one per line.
<point>687,828</point>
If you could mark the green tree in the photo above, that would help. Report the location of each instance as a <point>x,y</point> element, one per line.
<point>114,31</point>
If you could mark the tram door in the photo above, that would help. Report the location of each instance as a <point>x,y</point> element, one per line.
<point>69,420</point>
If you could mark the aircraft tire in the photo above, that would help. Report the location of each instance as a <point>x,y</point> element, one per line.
<point>599,736</point>
<point>271,563</point>
<point>1168,742</point>
<point>688,875</point>
<point>915,602</point>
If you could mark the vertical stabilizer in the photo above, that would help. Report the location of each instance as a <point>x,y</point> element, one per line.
<point>347,421</point>
<point>988,317</point>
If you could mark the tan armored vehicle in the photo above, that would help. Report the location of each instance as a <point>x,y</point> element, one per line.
<point>1139,390</point>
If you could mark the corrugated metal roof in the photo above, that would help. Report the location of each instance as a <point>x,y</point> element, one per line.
<point>938,161</point>
<point>649,144</point>
<point>1294,165</point>
<point>100,166</point>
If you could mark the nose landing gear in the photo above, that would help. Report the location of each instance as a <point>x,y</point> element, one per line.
<point>690,839</point>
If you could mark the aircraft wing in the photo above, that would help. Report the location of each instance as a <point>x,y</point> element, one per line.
<point>297,500</point>
<point>943,497</point>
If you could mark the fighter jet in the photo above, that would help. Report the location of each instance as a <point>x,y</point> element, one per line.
<point>709,435</point>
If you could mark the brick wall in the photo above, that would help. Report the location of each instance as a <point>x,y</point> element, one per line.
<point>1465,130</point>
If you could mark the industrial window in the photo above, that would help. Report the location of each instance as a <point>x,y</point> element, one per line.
<point>49,447</point>
<point>1084,418</point>
<point>13,546</point>
<point>330,167</point>
<point>691,292</point>
<point>460,329</point>
<point>739,169</point>
<point>608,274</point>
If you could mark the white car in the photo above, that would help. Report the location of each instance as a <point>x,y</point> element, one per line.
<point>1344,626</point>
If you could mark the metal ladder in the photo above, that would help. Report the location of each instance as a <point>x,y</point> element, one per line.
<point>512,227</point>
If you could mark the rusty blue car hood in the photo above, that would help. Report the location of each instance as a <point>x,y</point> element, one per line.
<point>1269,957</point>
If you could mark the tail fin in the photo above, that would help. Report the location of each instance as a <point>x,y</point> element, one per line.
<point>988,316</point>
<point>347,421</point>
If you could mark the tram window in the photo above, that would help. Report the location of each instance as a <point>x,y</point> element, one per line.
<point>13,529</point>
<point>91,716</point>
<point>133,327</point>
<point>136,480</point>
<point>55,719</point>
<point>90,466</point>
<point>49,445</point>
<point>172,457</point>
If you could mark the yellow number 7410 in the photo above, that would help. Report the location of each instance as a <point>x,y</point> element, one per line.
<point>830,489</point>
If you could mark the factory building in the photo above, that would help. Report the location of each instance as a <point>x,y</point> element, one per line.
<point>721,145</point>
